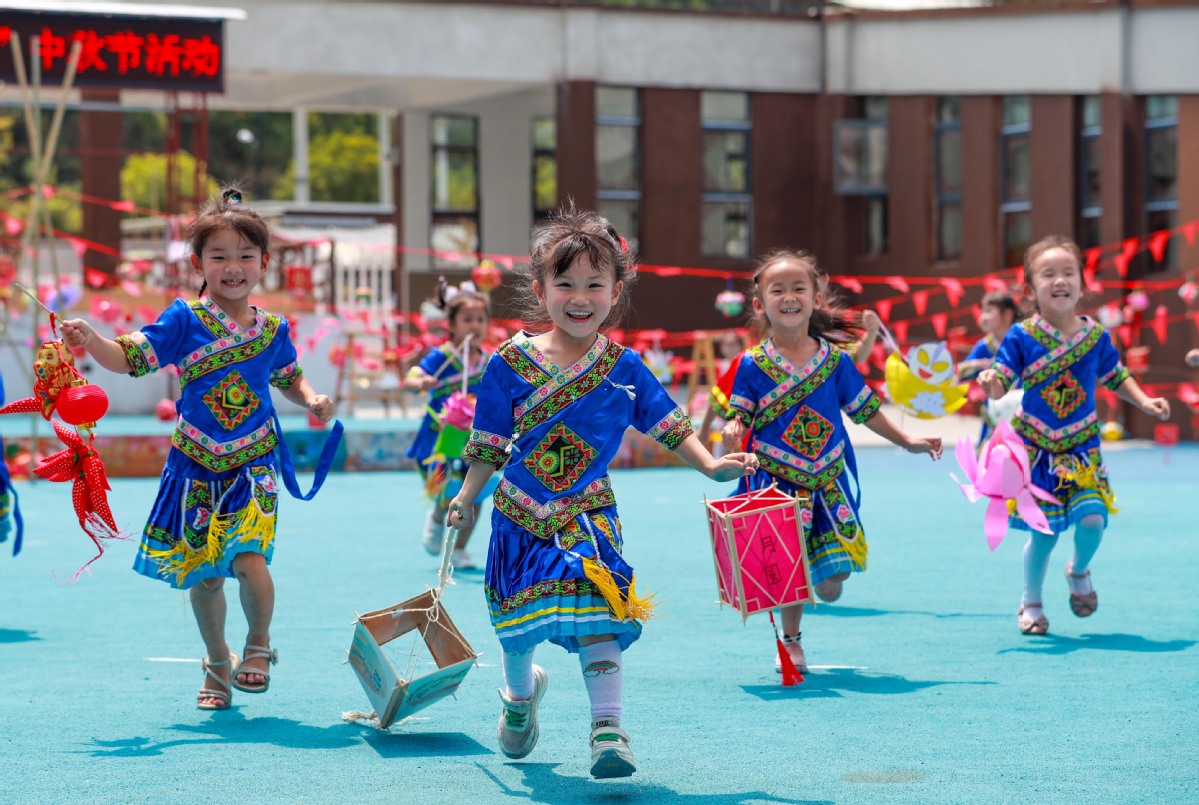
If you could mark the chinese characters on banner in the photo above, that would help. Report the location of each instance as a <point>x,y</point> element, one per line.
<point>135,52</point>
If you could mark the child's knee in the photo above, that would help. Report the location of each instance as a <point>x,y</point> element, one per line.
<point>1092,521</point>
<point>208,588</point>
<point>247,565</point>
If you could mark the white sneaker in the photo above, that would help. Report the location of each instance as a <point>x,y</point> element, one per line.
<point>462,560</point>
<point>610,753</point>
<point>518,729</point>
<point>434,538</point>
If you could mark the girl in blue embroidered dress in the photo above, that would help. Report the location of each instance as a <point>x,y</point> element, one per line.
<point>788,395</point>
<point>440,374</point>
<point>552,410</point>
<point>1059,356</point>
<point>997,313</point>
<point>214,517</point>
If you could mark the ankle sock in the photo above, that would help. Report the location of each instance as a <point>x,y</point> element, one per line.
<point>1087,536</point>
<point>601,664</point>
<point>518,675</point>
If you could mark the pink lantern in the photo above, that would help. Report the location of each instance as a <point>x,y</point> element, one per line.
<point>486,276</point>
<point>759,550</point>
<point>730,303</point>
<point>1138,300</point>
<point>1001,473</point>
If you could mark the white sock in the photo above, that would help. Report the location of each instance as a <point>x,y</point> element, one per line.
<point>602,666</point>
<point>518,675</point>
<point>1036,563</point>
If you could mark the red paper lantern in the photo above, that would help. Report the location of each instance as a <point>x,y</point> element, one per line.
<point>486,276</point>
<point>79,405</point>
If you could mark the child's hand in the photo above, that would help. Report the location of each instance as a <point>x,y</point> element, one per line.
<point>461,515</point>
<point>733,435</point>
<point>76,333</point>
<point>732,466</point>
<point>1158,407</point>
<point>871,322</point>
<point>931,445</point>
<point>991,383</point>
<point>321,407</point>
<point>1193,358</point>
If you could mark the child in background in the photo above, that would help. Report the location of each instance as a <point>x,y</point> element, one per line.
<point>788,396</point>
<point>731,346</point>
<point>1060,356</point>
<point>552,411</point>
<point>997,313</point>
<point>215,514</point>
<point>439,373</point>
<point>1193,358</point>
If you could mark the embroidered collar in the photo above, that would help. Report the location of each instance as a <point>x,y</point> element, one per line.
<point>218,313</point>
<point>1049,330</point>
<point>780,360</point>
<point>559,374</point>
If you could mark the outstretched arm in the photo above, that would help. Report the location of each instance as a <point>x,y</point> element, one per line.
<point>1131,391</point>
<point>78,334</point>
<point>462,507</point>
<point>872,323</point>
<point>880,424</point>
<point>729,467</point>
<point>302,394</point>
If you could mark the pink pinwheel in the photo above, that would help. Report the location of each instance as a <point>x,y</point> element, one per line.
<point>1001,474</point>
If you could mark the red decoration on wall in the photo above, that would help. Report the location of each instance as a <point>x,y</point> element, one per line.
<point>940,323</point>
<point>899,284</point>
<point>1161,323</point>
<point>1157,244</point>
<point>953,290</point>
<point>920,302</point>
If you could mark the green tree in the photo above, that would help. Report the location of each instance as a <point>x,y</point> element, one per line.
<point>144,179</point>
<point>342,166</point>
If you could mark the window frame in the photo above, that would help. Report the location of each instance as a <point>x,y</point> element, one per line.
<point>634,194</point>
<point>943,200</point>
<point>439,216</point>
<point>729,197</point>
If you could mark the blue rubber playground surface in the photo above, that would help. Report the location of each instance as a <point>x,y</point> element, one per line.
<point>921,689</point>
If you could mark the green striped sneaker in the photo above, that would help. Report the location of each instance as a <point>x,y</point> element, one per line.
<point>518,723</point>
<point>610,753</point>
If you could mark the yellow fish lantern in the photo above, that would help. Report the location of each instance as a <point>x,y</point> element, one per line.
<point>925,384</point>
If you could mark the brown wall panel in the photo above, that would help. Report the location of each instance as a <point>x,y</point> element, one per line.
<point>575,116</point>
<point>910,181</point>
<point>1054,165</point>
<point>981,249</point>
<point>790,194</point>
<point>671,181</point>
<point>101,134</point>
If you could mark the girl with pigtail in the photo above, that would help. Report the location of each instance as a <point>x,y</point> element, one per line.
<point>552,410</point>
<point>440,373</point>
<point>788,396</point>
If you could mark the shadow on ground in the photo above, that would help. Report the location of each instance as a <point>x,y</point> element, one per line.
<point>833,610</point>
<point>544,784</point>
<point>231,727</point>
<point>1060,644</point>
<point>834,682</point>
<point>17,636</point>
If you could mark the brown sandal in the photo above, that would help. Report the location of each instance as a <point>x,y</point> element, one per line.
<point>1031,625</point>
<point>220,695</point>
<point>1084,605</point>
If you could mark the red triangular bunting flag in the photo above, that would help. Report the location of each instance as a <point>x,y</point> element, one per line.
<point>899,284</point>
<point>1161,323</point>
<point>1157,244</point>
<point>920,302</point>
<point>883,308</point>
<point>901,332</point>
<point>940,322</point>
<point>953,290</point>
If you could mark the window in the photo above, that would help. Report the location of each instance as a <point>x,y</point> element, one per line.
<point>618,159</point>
<point>727,204</point>
<point>1161,168</point>
<point>545,167</point>
<point>948,158</point>
<point>1090,206</point>
<point>455,190</point>
<point>860,166</point>
<point>1015,208</point>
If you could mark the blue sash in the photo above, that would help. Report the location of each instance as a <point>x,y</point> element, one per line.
<point>323,464</point>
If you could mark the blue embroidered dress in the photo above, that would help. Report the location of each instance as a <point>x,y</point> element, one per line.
<point>1058,420</point>
<point>218,493</point>
<point>981,357</point>
<point>445,364</point>
<point>796,431</point>
<point>554,431</point>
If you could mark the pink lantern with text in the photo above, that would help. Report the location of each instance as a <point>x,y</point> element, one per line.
<point>759,550</point>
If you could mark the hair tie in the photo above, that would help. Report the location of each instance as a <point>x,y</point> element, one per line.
<point>232,197</point>
<point>624,244</point>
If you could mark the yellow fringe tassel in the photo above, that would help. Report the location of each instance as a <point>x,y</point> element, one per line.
<point>856,549</point>
<point>1086,476</point>
<point>635,607</point>
<point>247,525</point>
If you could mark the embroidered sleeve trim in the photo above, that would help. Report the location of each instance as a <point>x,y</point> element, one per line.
<point>140,354</point>
<point>867,409</point>
<point>672,430</point>
<point>1115,377</point>
<point>1006,376</point>
<point>286,377</point>
<point>486,448</point>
